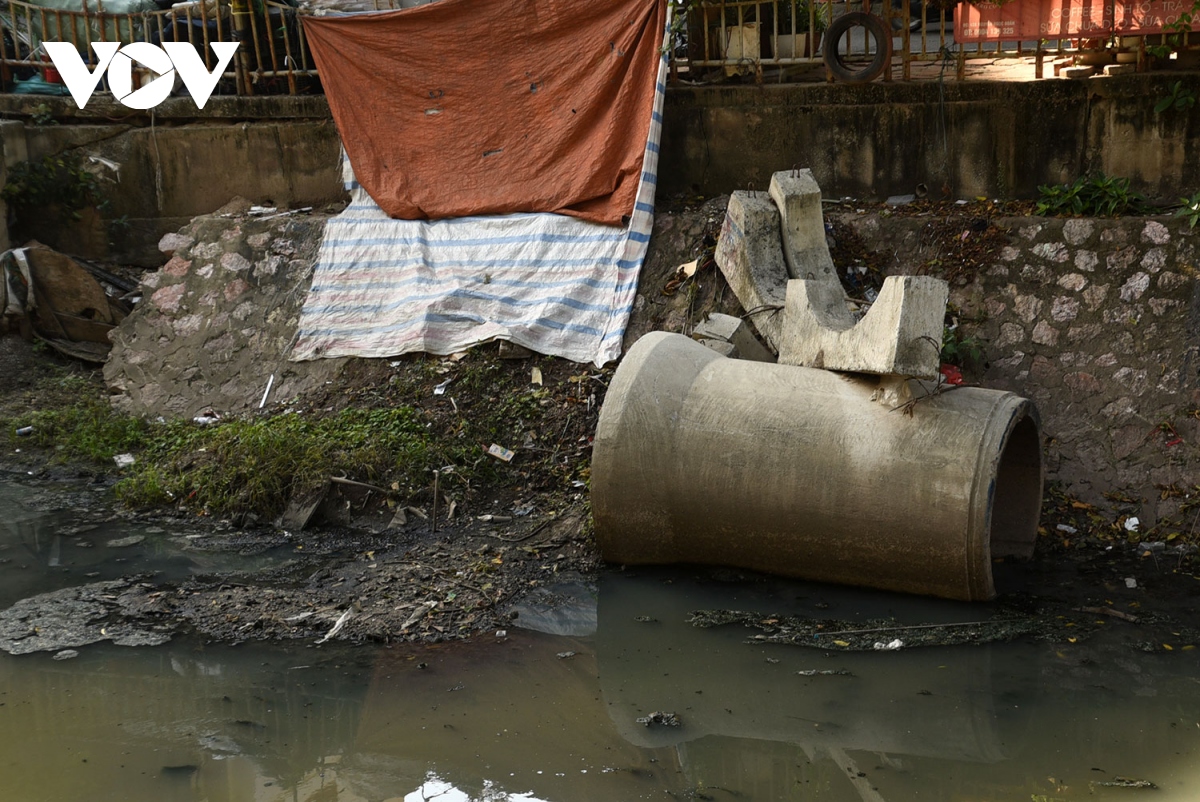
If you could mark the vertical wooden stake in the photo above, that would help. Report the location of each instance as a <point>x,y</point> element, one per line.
<point>433,518</point>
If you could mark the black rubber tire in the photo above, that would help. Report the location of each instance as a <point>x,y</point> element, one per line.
<point>881,36</point>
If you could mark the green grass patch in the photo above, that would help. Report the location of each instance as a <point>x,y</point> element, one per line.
<point>392,433</point>
<point>257,465</point>
<point>77,422</point>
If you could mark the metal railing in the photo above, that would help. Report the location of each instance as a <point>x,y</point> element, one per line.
<point>273,59</point>
<point>710,39</point>
<point>757,36</point>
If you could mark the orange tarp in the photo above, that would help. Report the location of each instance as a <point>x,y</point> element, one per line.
<point>467,107</point>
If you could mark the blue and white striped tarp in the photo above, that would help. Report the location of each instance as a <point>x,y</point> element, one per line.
<point>555,284</point>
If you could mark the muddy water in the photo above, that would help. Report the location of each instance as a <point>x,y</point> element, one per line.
<point>535,716</point>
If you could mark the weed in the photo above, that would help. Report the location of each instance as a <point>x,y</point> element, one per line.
<point>1190,210</point>
<point>60,181</point>
<point>78,423</point>
<point>1095,194</point>
<point>257,466</point>
<point>1179,98</point>
<point>960,349</point>
<point>42,114</point>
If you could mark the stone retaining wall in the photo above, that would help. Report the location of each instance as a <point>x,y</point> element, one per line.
<point>216,320</point>
<point>1098,321</point>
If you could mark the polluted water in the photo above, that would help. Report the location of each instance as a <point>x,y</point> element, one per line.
<point>601,690</point>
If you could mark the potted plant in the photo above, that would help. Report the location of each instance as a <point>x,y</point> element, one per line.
<point>800,26</point>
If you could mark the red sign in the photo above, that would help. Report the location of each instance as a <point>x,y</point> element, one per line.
<point>1029,20</point>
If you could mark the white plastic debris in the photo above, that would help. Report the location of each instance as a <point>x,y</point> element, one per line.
<point>124,460</point>
<point>889,647</point>
<point>266,392</point>
<point>500,452</point>
<point>441,388</point>
<point>1130,582</point>
<point>337,627</point>
<point>1070,530</point>
<point>1131,524</point>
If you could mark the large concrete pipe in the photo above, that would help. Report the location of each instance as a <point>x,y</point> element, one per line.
<point>797,471</point>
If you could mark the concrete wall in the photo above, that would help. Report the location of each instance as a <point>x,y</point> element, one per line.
<point>181,167</point>
<point>960,139</point>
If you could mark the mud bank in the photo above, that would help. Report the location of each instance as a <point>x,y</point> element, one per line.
<point>1093,319</point>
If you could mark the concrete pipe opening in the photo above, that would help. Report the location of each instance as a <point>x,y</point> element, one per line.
<point>801,472</point>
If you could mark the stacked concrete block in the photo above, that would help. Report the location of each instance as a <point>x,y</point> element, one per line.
<point>779,244</point>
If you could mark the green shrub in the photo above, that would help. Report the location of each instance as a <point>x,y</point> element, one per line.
<point>1093,195</point>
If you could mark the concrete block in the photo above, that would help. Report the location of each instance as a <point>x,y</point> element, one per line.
<point>1120,69</point>
<point>900,334</point>
<point>750,255</point>
<point>722,347</point>
<point>763,241</point>
<point>735,332</point>
<point>12,137</point>
<point>805,250</point>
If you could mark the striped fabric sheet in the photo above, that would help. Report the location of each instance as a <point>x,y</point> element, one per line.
<point>552,283</point>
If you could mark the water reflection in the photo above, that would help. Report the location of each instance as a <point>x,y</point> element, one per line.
<point>1004,721</point>
<point>49,540</point>
<point>553,718</point>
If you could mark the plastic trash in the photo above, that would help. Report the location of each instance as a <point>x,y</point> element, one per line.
<point>500,452</point>
<point>889,647</point>
<point>37,85</point>
<point>25,431</point>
